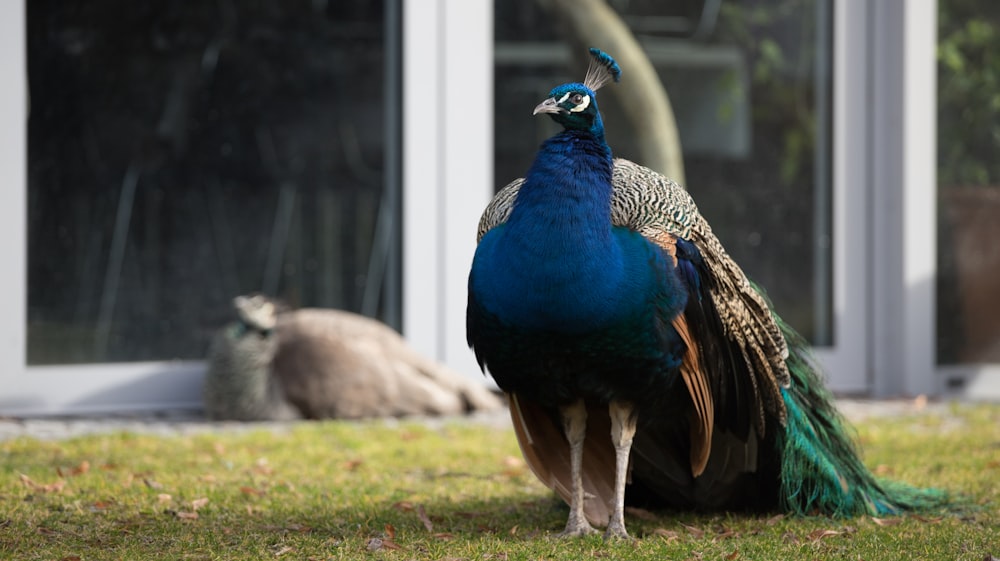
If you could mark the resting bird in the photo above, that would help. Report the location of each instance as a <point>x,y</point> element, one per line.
<point>602,303</point>
<point>274,364</point>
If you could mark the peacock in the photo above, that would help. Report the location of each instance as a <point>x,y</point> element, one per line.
<point>603,305</point>
<point>277,364</point>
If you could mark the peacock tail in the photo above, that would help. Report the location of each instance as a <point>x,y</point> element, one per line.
<point>821,468</point>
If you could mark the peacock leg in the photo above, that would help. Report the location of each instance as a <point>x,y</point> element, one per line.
<point>622,430</point>
<point>574,417</point>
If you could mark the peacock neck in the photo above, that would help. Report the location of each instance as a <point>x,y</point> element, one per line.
<point>557,263</point>
<point>568,187</point>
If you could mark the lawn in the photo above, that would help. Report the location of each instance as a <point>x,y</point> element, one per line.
<point>409,490</point>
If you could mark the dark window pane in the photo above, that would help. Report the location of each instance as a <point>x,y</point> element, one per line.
<point>968,302</point>
<point>750,86</point>
<point>183,153</point>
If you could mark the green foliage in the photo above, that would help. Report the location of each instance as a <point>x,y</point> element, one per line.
<point>338,490</point>
<point>782,85</point>
<point>969,92</point>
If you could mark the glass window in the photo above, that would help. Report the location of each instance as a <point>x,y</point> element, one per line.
<point>749,82</point>
<point>180,154</point>
<point>968,299</point>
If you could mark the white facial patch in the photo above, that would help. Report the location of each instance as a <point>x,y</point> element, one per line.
<point>584,103</point>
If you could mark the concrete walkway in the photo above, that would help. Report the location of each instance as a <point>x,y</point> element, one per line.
<point>175,423</point>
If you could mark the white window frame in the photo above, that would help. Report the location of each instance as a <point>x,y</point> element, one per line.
<point>884,328</point>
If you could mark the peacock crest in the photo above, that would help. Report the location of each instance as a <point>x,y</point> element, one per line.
<point>602,69</point>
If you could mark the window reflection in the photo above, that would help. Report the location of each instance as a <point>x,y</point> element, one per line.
<point>181,154</point>
<point>968,303</point>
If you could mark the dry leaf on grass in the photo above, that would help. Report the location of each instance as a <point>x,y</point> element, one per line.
<point>725,533</point>
<point>252,491</point>
<point>640,513</point>
<point>886,521</point>
<point>696,532</point>
<point>80,469</point>
<point>669,535</point>
<point>820,534</point>
<point>734,555</point>
<point>262,468</point>
<point>928,519</point>
<point>198,503</point>
<point>422,514</point>
<point>774,519</point>
<point>54,487</point>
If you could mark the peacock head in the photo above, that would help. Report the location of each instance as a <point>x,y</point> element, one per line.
<point>574,105</point>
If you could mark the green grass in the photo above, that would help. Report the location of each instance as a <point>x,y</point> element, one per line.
<point>405,491</point>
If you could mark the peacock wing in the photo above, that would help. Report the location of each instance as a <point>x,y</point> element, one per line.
<point>745,361</point>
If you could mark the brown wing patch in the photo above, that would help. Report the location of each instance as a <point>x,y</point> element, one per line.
<point>666,241</point>
<point>696,380</point>
<point>546,452</point>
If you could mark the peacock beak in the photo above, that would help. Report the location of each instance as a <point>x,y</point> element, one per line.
<point>550,105</point>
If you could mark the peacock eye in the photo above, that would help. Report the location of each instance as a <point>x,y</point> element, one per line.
<point>576,99</point>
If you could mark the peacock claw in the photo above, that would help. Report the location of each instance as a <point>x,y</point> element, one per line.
<point>576,529</point>
<point>617,533</point>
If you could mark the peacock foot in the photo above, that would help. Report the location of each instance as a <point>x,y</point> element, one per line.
<point>576,527</point>
<point>617,532</point>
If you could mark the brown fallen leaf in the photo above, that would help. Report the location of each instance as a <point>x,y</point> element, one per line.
<point>252,491</point>
<point>422,515</point>
<point>186,515</point>
<point>444,536</point>
<point>151,483</point>
<point>725,533</point>
<point>198,503</point>
<point>262,468</point>
<point>883,469</point>
<point>668,535</point>
<point>71,558</point>
<point>886,521</point>
<point>80,469</point>
<point>734,555</point>
<point>820,534</point>
<point>403,506</point>
<point>640,513</point>
<point>774,519</point>
<point>928,519</point>
<point>54,487</point>
<point>353,465</point>
<point>164,498</point>
<point>390,531</point>
<point>696,532</point>
<point>283,550</point>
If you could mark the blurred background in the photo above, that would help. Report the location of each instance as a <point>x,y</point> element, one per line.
<point>179,154</point>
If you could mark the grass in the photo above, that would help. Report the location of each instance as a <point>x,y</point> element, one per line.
<point>402,491</point>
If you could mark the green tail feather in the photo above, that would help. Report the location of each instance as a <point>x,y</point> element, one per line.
<point>821,469</point>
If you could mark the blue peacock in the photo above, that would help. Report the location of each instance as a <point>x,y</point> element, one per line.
<point>602,304</point>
